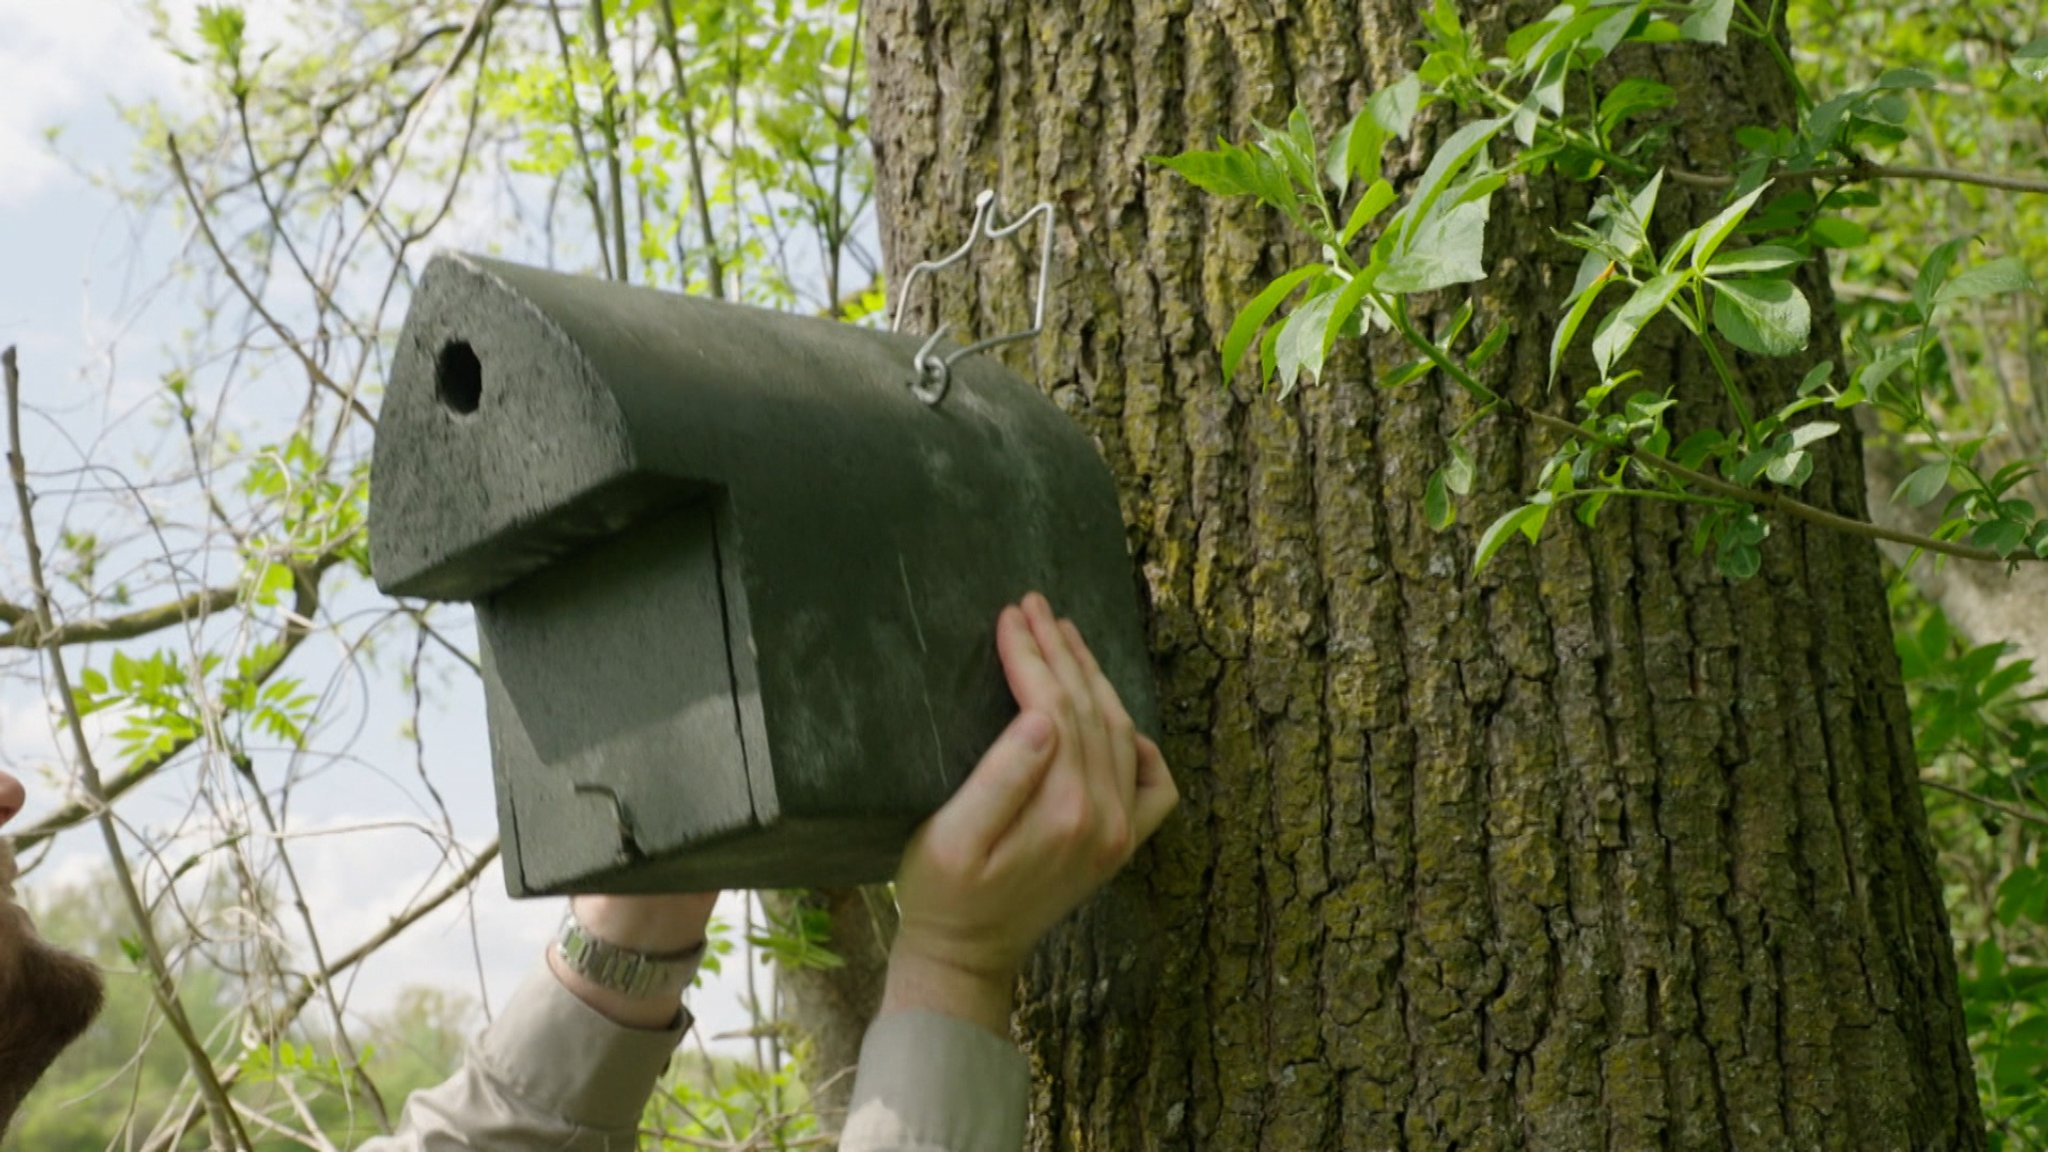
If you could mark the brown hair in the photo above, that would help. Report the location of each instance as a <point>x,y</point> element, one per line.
<point>48,997</point>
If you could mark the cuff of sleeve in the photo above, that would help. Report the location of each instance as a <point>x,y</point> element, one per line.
<point>930,1082</point>
<point>560,1055</point>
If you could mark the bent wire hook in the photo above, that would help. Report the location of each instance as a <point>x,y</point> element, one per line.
<point>934,373</point>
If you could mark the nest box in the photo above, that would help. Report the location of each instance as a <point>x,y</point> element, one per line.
<point>735,584</point>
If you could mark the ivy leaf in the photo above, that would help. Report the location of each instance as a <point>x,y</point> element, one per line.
<point>1444,251</point>
<point>1763,317</point>
<point>1256,313</point>
<point>1436,502</point>
<point>2032,60</point>
<point>1708,23</point>
<point>1620,328</point>
<point>1923,485</point>
<point>1997,278</point>
<point>1722,226</point>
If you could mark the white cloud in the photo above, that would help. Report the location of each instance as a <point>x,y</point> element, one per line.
<point>62,58</point>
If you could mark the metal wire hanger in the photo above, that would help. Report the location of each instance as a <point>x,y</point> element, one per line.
<point>935,373</point>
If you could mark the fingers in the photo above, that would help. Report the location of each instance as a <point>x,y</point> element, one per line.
<point>1157,795</point>
<point>1082,720</point>
<point>1116,720</point>
<point>1031,679</point>
<point>1000,786</point>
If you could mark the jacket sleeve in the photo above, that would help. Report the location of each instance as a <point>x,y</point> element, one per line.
<point>550,1073</point>
<point>931,1083</point>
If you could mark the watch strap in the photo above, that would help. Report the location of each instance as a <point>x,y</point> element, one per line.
<point>618,969</point>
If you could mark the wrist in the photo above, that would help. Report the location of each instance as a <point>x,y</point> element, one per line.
<point>920,979</point>
<point>667,925</point>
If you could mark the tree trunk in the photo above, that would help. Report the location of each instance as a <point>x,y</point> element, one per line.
<point>831,1007</point>
<point>1591,850</point>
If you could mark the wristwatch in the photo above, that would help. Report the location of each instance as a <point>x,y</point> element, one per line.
<point>617,969</point>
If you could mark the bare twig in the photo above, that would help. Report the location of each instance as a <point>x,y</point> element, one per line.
<point>608,123</point>
<point>227,1125</point>
<point>1861,172</point>
<point>314,371</point>
<point>2014,811</point>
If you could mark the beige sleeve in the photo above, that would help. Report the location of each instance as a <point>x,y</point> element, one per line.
<point>931,1083</point>
<point>550,1073</point>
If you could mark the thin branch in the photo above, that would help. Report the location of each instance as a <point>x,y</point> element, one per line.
<point>665,22</point>
<point>127,626</point>
<point>274,1029</point>
<point>607,83</point>
<point>227,1127</point>
<point>314,371</point>
<point>1865,171</point>
<point>2017,813</point>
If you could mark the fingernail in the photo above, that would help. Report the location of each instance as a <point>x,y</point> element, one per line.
<point>1034,731</point>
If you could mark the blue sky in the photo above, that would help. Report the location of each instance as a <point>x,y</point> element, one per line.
<point>84,295</point>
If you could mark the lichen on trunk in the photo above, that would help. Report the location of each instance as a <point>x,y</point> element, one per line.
<point>1589,850</point>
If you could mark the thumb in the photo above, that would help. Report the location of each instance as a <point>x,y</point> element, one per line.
<point>999,787</point>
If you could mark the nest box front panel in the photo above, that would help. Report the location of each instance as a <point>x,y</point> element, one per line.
<point>613,720</point>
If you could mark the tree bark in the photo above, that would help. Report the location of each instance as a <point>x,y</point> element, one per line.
<point>831,1007</point>
<point>1591,850</point>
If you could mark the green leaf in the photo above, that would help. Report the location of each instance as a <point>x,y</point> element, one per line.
<point>1633,96</point>
<point>1393,107</point>
<point>1436,502</point>
<point>1406,374</point>
<point>1997,278</point>
<point>1708,23</point>
<point>1762,258</point>
<point>1218,173</point>
<point>1450,159</point>
<point>1496,338</point>
<point>1576,315</point>
<point>1763,317</point>
<point>1256,313</point>
<point>1461,471</point>
<point>1739,561</point>
<point>1815,377</point>
<point>1838,232</point>
<point>1808,434</point>
<point>2032,60</point>
<point>1503,530</point>
<point>1444,251</point>
<point>1371,204</point>
<point>1923,485</point>
<point>1620,328</point>
<point>1717,230</point>
<point>1697,447</point>
<point>1300,349</point>
<point>1347,303</point>
<point>2001,536</point>
<point>1791,469</point>
<point>1905,78</point>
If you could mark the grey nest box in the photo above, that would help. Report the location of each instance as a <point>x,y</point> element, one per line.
<point>735,584</point>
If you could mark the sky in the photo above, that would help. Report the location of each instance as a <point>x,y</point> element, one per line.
<point>83,295</point>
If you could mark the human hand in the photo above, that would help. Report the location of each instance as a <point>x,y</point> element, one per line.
<point>1055,808</point>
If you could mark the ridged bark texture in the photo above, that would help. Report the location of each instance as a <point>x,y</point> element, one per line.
<point>1591,850</point>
